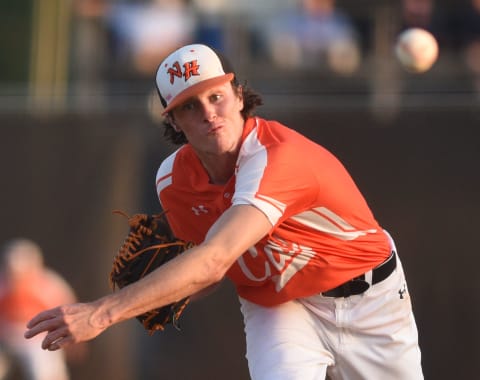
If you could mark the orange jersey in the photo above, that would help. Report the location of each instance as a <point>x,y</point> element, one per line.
<point>323,231</point>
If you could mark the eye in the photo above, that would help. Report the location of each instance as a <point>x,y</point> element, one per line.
<point>188,106</point>
<point>215,98</point>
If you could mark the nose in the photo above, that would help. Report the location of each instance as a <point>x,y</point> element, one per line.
<point>209,111</point>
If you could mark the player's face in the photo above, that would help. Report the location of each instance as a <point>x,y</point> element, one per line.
<point>211,120</point>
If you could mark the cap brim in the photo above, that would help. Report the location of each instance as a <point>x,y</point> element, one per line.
<point>196,89</point>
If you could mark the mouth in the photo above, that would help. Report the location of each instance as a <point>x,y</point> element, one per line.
<point>214,129</point>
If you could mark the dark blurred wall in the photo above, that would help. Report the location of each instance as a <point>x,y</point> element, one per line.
<point>62,177</point>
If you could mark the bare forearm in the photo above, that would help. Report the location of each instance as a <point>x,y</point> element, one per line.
<point>177,279</point>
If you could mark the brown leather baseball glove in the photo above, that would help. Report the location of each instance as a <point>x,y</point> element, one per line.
<point>149,244</point>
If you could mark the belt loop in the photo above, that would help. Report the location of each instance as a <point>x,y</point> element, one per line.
<point>368,277</point>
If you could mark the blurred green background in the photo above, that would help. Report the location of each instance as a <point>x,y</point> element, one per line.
<point>81,136</point>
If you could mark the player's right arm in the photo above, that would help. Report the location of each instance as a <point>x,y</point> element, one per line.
<point>194,270</point>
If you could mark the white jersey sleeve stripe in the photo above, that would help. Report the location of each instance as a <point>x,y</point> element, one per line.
<point>163,182</point>
<point>164,173</point>
<point>324,220</point>
<point>274,202</point>
<point>334,218</point>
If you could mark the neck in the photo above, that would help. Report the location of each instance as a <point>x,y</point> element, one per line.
<point>219,168</point>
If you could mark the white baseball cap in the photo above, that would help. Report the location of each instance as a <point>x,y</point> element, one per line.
<point>187,72</point>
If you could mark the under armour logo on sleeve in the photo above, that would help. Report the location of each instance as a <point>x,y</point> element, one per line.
<point>199,210</point>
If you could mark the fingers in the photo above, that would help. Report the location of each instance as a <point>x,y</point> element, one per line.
<point>43,321</point>
<point>50,321</point>
<point>57,339</point>
<point>65,325</point>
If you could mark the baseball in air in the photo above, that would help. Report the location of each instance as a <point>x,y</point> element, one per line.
<point>416,49</point>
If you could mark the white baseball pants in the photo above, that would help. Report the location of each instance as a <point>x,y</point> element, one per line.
<point>368,336</point>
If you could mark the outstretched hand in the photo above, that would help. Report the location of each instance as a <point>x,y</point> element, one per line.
<point>66,325</point>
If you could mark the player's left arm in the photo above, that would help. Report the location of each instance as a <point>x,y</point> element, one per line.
<point>233,233</point>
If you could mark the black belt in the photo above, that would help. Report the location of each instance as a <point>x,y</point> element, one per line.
<point>359,284</point>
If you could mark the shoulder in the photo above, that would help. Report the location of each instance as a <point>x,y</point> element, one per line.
<point>264,125</point>
<point>165,171</point>
<point>272,132</point>
<point>272,137</point>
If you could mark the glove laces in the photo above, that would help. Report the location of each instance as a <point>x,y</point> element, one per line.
<point>140,228</point>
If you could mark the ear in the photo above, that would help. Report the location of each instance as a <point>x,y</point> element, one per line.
<point>172,123</point>
<point>239,92</point>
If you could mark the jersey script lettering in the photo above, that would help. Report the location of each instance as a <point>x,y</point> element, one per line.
<point>284,258</point>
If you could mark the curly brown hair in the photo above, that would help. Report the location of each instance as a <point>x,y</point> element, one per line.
<point>251,100</point>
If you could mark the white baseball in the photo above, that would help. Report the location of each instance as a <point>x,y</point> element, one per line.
<point>416,49</point>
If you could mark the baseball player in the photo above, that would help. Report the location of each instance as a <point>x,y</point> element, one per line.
<point>320,282</point>
<point>28,286</point>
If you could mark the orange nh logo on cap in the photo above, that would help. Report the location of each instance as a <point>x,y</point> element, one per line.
<point>189,69</point>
